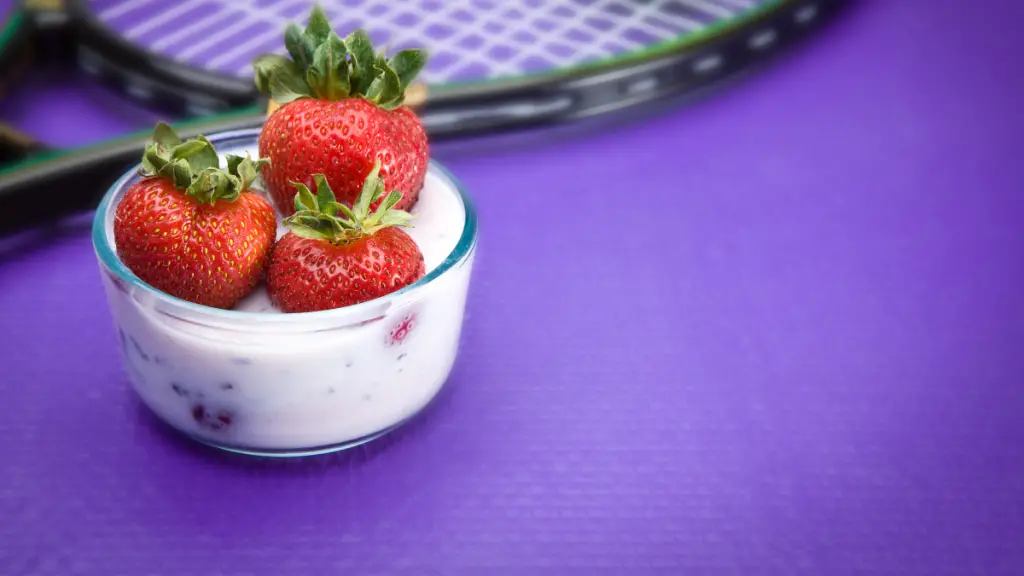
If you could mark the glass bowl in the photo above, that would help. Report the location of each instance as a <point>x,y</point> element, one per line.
<point>256,381</point>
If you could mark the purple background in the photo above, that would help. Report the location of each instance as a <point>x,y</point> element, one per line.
<point>777,331</point>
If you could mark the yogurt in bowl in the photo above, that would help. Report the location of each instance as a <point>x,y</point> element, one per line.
<point>258,381</point>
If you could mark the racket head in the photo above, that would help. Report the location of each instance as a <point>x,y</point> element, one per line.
<point>491,63</point>
<point>148,76</point>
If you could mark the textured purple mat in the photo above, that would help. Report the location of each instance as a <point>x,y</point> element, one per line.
<point>825,377</point>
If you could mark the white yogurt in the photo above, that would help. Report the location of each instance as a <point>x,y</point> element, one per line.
<point>312,384</point>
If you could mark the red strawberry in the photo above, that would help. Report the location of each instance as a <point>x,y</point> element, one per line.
<point>328,261</point>
<point>342,110</point>
<point>191,229</point>
<point>341,140</point>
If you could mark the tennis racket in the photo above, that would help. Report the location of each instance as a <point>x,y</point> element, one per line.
<point>493,65</point>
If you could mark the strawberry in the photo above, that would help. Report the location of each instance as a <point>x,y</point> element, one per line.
<point>341,110</point>
<point>327,261</point>
<point>190,228</point>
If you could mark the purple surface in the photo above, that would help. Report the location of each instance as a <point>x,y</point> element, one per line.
<point>778,331</point>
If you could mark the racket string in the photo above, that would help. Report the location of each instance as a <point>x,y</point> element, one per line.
<point>256,44</point>
<point>121,8</point>
<point>153,24</point>
<point>467,39</point>
<point>166,42</point>
<point>482,54</point>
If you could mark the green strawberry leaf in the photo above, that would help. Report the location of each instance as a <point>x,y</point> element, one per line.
<point>234,161</point>
<point>199,188</point>
<point>407,64</point>
<point>285,88</point>
<point>323,66</point>
<point>249,171</point>
<point>194,166</point>
<point>318,26</point>
<point>329,75</point>
<point>199,152</point>
<point>346,212</point>
<point>325,197</point>
<point>337,208</point>
<point>221,185</point>
<point>213,184</point>
<point>227,187</point>
<point>265,66</point>
<point>377,85</point>
<point>280,79</point>
<point>299,46</point>
<point>332,221</point>
<point>245,169</point>
<point>186,149</point>
<point>372,187</point>
<point>393,197</point>
<point>386,89</point>
<point>206,157</point>
<point>361,49</point>
<point>165,136</point>
<point>395,218</point>
<point>180,172</point>
<point>304,200</point>
<point>154,159</point>
<point>311,225</point>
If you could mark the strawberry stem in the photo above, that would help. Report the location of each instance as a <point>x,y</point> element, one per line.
<point>322,217</point>
<point>324,66</point>
<point>194,166</point>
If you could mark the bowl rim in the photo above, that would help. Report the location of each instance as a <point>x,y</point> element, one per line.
<point>107,256</point>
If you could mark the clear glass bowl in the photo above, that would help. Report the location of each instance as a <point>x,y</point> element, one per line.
<point>295,384</point>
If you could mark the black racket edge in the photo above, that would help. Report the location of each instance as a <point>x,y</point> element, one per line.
<point>17,53</point>
<point>569,97</point>
<point>15,46</point>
